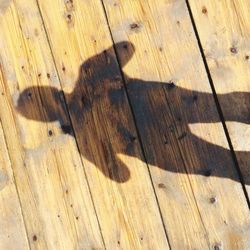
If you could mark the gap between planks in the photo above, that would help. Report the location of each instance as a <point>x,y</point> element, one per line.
<point>218,106</point>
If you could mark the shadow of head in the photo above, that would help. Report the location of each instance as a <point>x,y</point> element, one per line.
<point>45,103</point>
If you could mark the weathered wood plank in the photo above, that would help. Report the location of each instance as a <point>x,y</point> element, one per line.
<point>224,31</point>
<point>12,228</point>
<point>172,99</point>
<point>121,187</point>
<point>54,195</point>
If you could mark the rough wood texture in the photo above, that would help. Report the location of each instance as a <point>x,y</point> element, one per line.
<point>12,228</point>
<point>170,94</point>
<point>224,31</point>
<point>109,133</point>
<point>54,196</point>
<point>121,188</point>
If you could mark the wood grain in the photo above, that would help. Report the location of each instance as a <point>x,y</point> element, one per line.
<point>199,192</point>
<point>54,195</point>
<point>12,228</point>
<point>110,136</point>
<point>121,187</point>
<point>224,31</point>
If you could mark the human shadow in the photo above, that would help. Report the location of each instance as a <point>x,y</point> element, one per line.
<point>162,112</point>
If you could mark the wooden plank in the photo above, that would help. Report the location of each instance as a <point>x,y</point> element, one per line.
<point>121,186</point>
<point>12,228</point>
<point>54,194</point>
<point>172,99</point>
<point>224,31</point>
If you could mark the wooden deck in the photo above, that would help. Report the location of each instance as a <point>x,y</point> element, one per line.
<point>124,124</point>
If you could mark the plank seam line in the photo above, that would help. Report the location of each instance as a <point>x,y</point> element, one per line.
<point>217,103</point>
<point>65,202</point>
<point>14,177</point>
<point>186,169</point>
<point>135,124</point>
<point>70,120</point>
<point>41,99</point>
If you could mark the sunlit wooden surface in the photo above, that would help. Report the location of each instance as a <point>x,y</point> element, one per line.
<point>124,124</point>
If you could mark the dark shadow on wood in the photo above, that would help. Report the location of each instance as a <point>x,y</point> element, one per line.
<point>162,112</point>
